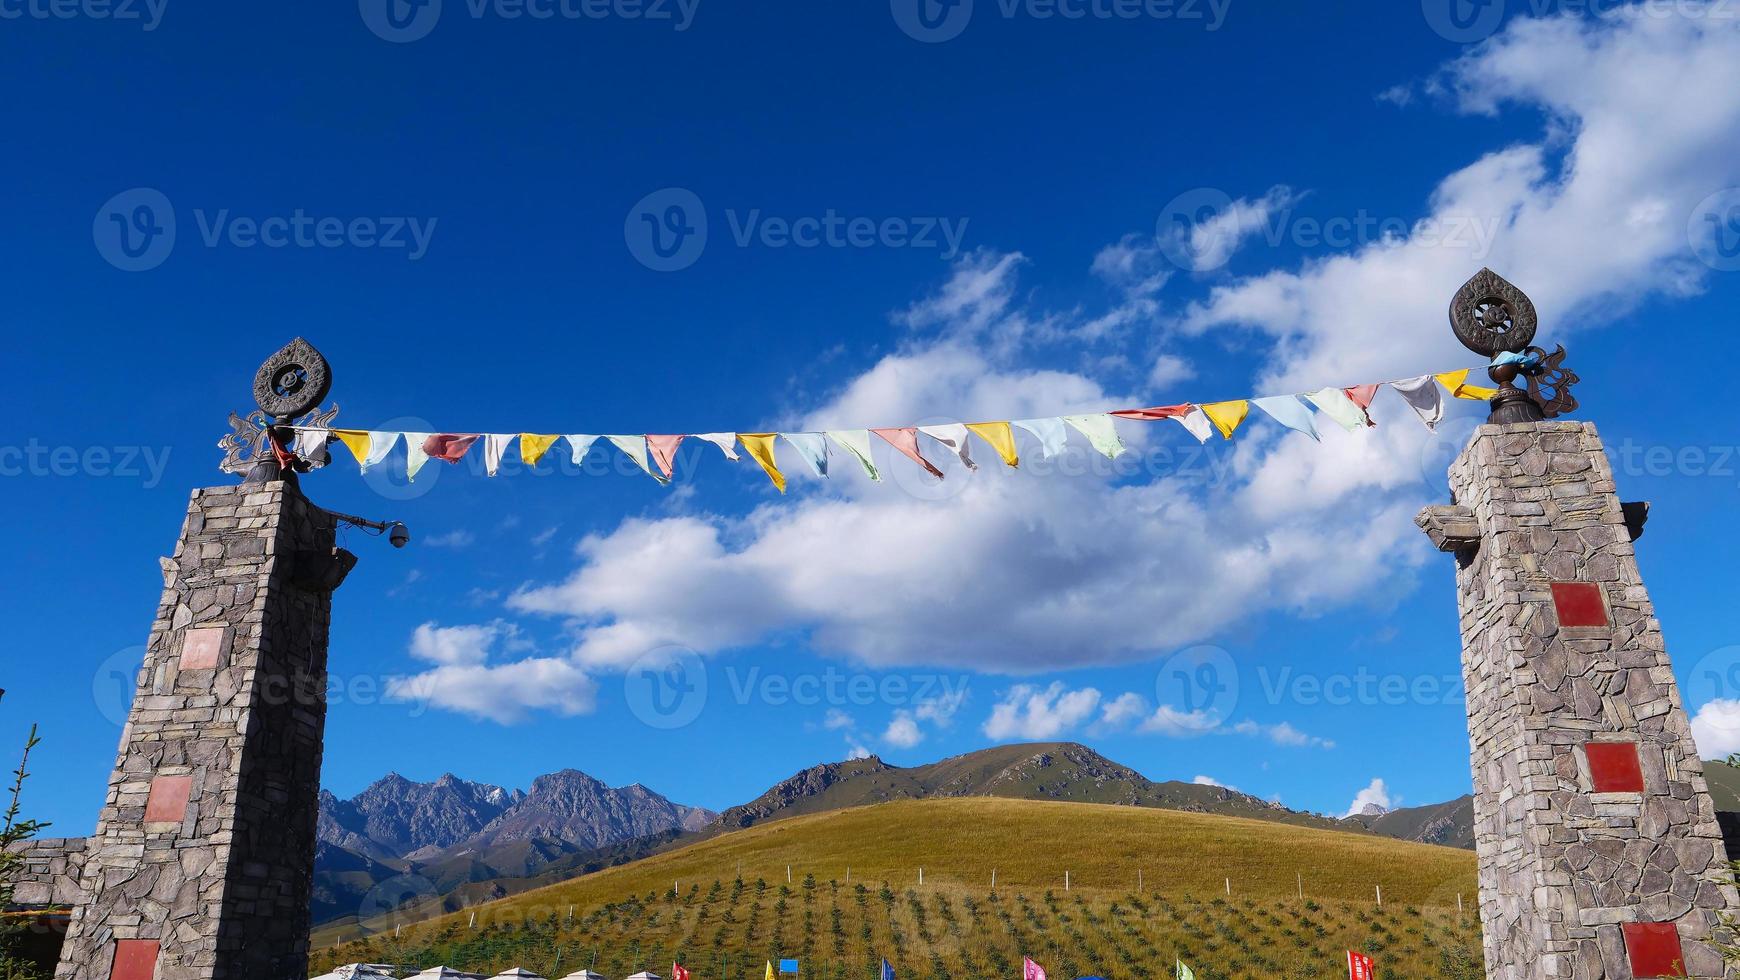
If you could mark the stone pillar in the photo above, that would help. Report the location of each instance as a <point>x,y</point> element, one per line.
<point>1600,855</point>
<point>202,864</point>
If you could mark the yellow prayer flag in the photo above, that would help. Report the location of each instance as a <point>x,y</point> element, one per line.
<point>533,447</point>
<point>760,446</point>
<point>1001,438</point>
<point>769,962</point>
<point>1226,416</point>
<point>1457,382</point>
<point>355,440</point>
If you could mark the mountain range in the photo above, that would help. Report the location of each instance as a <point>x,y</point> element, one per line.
<point>452,843</point>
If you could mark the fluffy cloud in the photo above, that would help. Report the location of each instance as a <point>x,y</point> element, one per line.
<point>1034,714</point>
<point>1376,794</point>
<point>1716,728</point>
<point>1211,781</point>
<point>1590,218</point>
<point>903,732</point>
<point>468,683</point>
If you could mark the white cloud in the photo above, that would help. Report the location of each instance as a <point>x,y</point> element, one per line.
<point>1211,781</point>
<point>903,732</point>
<point>458,645</point>
<point>1590,218</point>
<point>1034,714</point>
<point>858,752</point>
<point>1122,710</point>
<point>1376,794</point>
<point>465,681</point>
<point>1282,733</point>
<point>503,693</point>
<point>1208,243</point>
<point>837,720</point>
<point>1716,728</point>
<point>1167,370</point>
<point>543,537</point>
<point>457,538</point>
<point>941,709</point>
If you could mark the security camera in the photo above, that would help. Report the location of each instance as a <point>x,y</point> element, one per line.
<point>399,535</point>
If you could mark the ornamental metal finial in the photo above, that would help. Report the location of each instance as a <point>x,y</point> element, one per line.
<point>290,385</point>
<point>1496,320</point>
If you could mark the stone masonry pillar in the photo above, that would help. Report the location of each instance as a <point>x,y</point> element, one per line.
<point>1600,856</point>
<point>202,863</point>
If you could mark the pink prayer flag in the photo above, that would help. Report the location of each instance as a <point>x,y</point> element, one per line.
<point>1031,970</point>
<point>449,447</point>
<point>1154,414</point>
<point>906,440</point>
<point>664,451</point>
<point>1362,395</point>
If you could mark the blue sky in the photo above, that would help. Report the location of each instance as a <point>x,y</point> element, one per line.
<point>1145,204</point>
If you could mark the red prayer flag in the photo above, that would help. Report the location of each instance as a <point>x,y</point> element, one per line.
<point>1154,414</point>
<point>1362,395</point>
<point>444,445</point>
<point>664,452</point>
<point>906,440</point>
<point>677,972</point>
<point>1360,966</point>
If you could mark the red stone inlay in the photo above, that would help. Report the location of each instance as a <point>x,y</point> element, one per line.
<point>135,959</point>
<point>1654,949</point>
<point>168,800</point>
<point>202,648</point>
<point>1579,604</point>
<point>1613,767</point>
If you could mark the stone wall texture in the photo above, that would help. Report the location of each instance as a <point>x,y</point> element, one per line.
<point>49,874</point>
<point>205,846</point>
<point>1570,875</point>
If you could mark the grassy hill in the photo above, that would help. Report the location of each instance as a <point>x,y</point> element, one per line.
<point>854,895</point>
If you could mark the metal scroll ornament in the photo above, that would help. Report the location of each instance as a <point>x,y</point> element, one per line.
<point>289,388</point>
<point>1496,320</point>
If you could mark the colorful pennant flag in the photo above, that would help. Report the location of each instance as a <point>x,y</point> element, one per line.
<point>1334,403</point>
<point>1360,966</point>
<point>887,971</point>
<point>1000,437</point>
<point>678,973</point>
<point>726,441</point>
<point>381,443</point>
<point>447,447</point>
<point>760,448</point>
<point>1227,416</point>
<point>906,440</point>
<point>664,452</point>
<point>1197,423</point>
<point>1100,433</point>
<point>1457,382</point>
<point>1184,972</point>
<point>769,962</point>
<point>1031,970</point>
<point>1155,414</point>
<point>812,447</point>
<point>1290,412</point>
<point>1050,432</point>
<point>494,448</point>
<point>953,436</point>
<point>416,452</point>
<point>533,447</point>
<point>1424,396</point>
<point>857,443</point>
<point>578,445</point>
<point>634,447</point>
<point>356,441</point>
<point>310,443</point>
<point>1362,396</point>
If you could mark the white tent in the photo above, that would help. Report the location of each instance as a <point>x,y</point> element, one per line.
<point>443,973</point>
<point>362,971</point>
<point>517,974</point>
<point>584,975</point>
<point>643,975</point>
